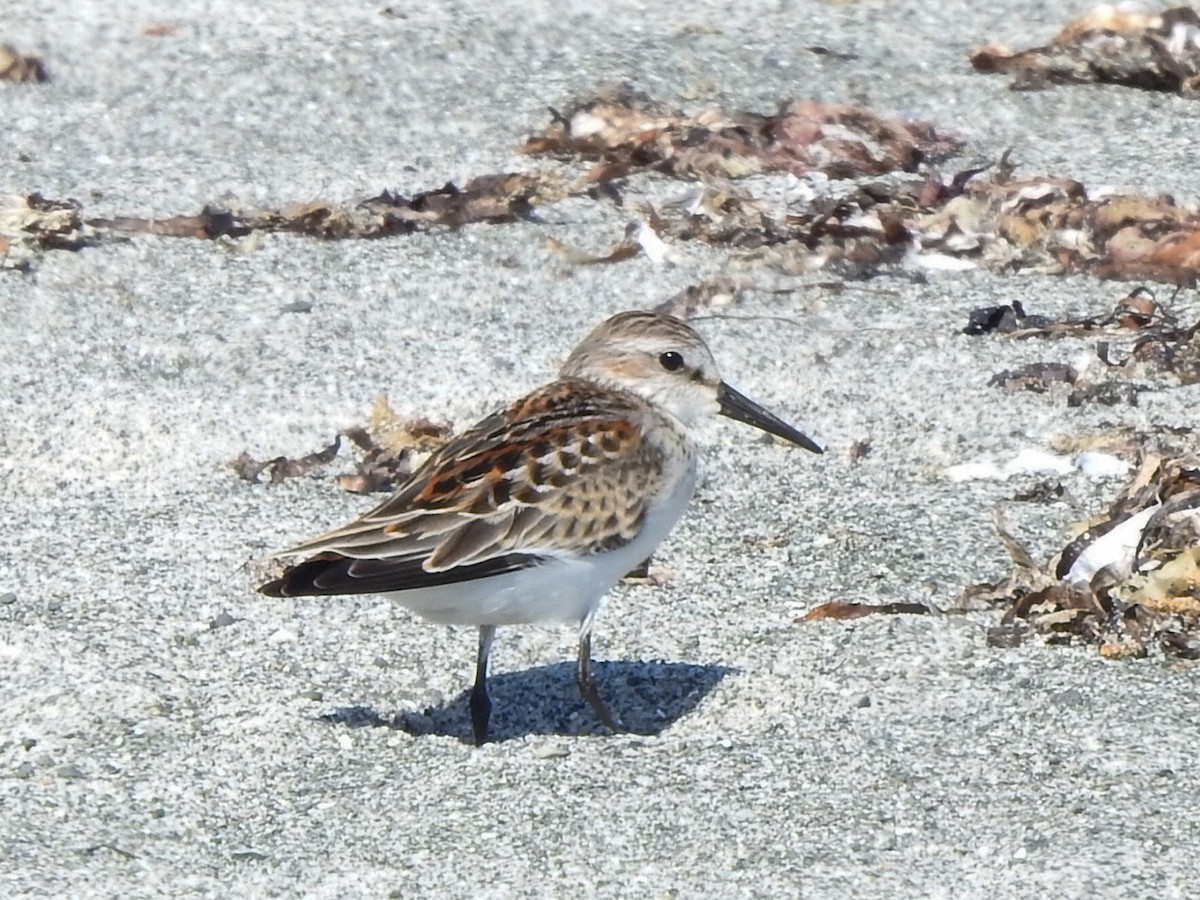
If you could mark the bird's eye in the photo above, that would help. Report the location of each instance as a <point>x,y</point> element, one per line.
<point>671,361</point>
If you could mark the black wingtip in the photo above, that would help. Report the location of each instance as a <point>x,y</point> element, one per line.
<point>301,579</point>
<point>329,574</point>
<point>274,588</point>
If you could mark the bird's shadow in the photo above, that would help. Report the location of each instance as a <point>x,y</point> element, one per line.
<point>647,696</point>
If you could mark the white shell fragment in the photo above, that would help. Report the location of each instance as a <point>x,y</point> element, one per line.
<point>1101,465</point>
<point>1031,461</point>
<point>1114,551</point>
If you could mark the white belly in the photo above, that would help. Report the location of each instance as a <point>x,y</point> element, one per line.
<point>559,590</point>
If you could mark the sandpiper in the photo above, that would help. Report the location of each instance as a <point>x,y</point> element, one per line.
<point>533,514</point>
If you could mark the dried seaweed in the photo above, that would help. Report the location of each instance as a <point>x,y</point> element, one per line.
<point>1153,343</point>
<point>1166,348</point>
<point>1042,224</point>
<point>1112,44</point>
<point>1005,319</point>
<point>628,248</point>
<point>1035,377</point>
<point>1047,491</point>
<point>1051,226</point>
<point>846,609</point>
<point>1040,377</point>
<point>775,185</point>
<point>279,468</point>
<point>388,445</point>
<point>1136,311</point>
<point>1039,224</point>
<point>624,131</point>
<point>210,223</point>
<point>386,450</point>
<point>487,199</point>
<point>711,293</point>
<point>19,68</point>
<point>860,450</point>
<point>1106,393</point>
<point>1129,582</point>
<point>31,225</point>
<point>34,224</point>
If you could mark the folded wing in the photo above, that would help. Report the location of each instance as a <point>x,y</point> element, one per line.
<point>557,474</point>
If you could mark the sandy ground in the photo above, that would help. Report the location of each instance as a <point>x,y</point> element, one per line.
<point>162,728</point>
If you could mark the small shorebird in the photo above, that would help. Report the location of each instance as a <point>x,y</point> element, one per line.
<point>536,512</point>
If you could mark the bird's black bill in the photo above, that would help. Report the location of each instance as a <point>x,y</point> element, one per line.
<point>742,408</point>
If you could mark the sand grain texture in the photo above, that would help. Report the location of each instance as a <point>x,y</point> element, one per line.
<point>161,730</point>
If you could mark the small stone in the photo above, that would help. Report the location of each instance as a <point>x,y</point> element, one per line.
<point>313,694</point>
<point>8,598</point>
<point>70,770</point>
<point>221,620</point>
<point>551,751</point>
<point>862,702</point>
<point>54,605</point>
<point>26,770</point>
<point>1070,697</point>
<point>28,743</point>
<point>247,856</point>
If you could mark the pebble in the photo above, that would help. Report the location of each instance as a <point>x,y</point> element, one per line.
<point>248,856</point>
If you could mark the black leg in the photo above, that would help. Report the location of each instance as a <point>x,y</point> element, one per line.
<point>481,703</point>
<point>587,687</point>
